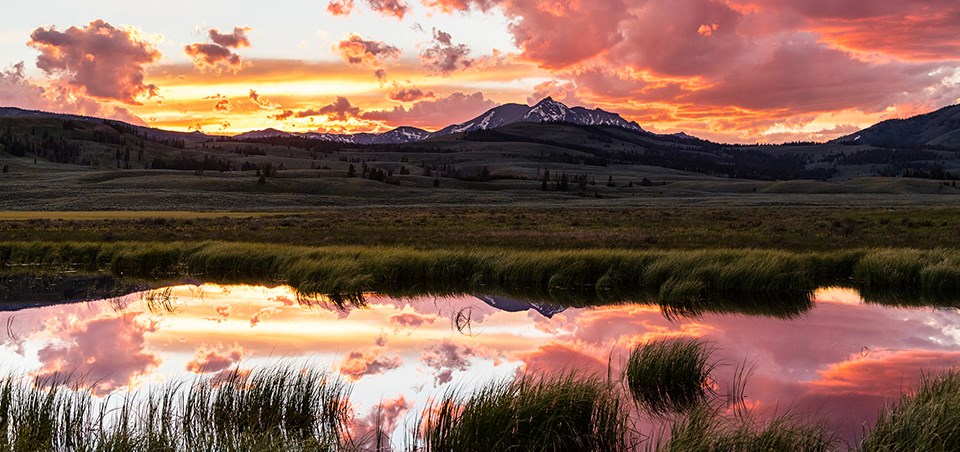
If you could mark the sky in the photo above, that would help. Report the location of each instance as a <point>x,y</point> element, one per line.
<point>726,70</point>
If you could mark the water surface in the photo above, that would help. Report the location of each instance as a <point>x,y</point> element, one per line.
<point>840,361</point>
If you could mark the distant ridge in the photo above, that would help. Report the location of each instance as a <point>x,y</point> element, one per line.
<point>940,128</point>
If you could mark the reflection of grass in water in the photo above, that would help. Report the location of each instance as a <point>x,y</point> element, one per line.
<point>669,375</point>
<point>571,412</point>
<point>277,409</point>
<point>927,420</point>
<point>685,281</point>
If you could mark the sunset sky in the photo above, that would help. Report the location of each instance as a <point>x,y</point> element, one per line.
<point>726,70</point>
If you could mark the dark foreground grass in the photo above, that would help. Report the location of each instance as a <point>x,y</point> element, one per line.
<point>299,409</point>
<point>707,429</point>
<point>669,375</point>
<point>277,409</point>
<point>928,420</point>
<point>571,412</point>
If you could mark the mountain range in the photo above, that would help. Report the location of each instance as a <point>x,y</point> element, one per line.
<point>936,130</point>
<point>547,110</point>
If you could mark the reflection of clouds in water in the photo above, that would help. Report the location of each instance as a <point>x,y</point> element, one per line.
<point>381,419</point>
<point>842,359</point>
<point>445,357</point>
<point>108,353</point>
<point>359,364</point>
<point>214,359</point>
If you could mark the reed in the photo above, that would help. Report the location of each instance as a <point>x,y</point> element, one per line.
<point>706,429</point>
<point>528,413</point>
<point>286,408</point>
<point>669,375</point>
<point>927,420</point>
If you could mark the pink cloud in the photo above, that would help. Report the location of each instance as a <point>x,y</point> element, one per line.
<point>377,426</point>
<point>560,358</point>
<point>429,113</point>
<point>108,353</point>
<point>394,8</point>
<point>98,60</point>
<point>443,56</point>
<point>410,320</point>
<point>362,363</point>
<point>445,357</point>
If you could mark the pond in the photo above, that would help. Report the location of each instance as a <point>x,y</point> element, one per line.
<point>840,361</point>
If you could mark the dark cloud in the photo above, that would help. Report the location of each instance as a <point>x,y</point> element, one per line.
<point>340,109</point>
<point>410,93</point>
<point>356,50</point>
<point>394,8</point>
<point>445,357</point>
<point>234,40</point>
<point>443,56</point>
<point>218,56</point>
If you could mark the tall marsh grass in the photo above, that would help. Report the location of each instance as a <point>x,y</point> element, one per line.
<point>570,412</point>
<point>284,408</point>
<point>669,375</point>
<point>927,420</point>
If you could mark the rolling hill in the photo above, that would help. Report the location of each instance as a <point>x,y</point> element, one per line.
<point>939,129</point>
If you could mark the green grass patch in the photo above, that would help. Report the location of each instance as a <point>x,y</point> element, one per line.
<point>571,412</point>
<point>929,419</point>
<point>669,375</point>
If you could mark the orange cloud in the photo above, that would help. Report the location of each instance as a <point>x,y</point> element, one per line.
<point>98,60</point>
<point>361,363</point>
<point>356,50</point>
<point>340,7</point>
<point>213,359</point>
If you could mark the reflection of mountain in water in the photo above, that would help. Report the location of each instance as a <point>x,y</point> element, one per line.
<point>514,305</point>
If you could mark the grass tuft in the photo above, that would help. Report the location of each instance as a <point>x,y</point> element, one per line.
<point>669,375</point>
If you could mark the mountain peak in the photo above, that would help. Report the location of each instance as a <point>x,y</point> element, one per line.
<point>547,100</point>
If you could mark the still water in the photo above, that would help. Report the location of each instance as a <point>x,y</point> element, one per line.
<point>840,361</point>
